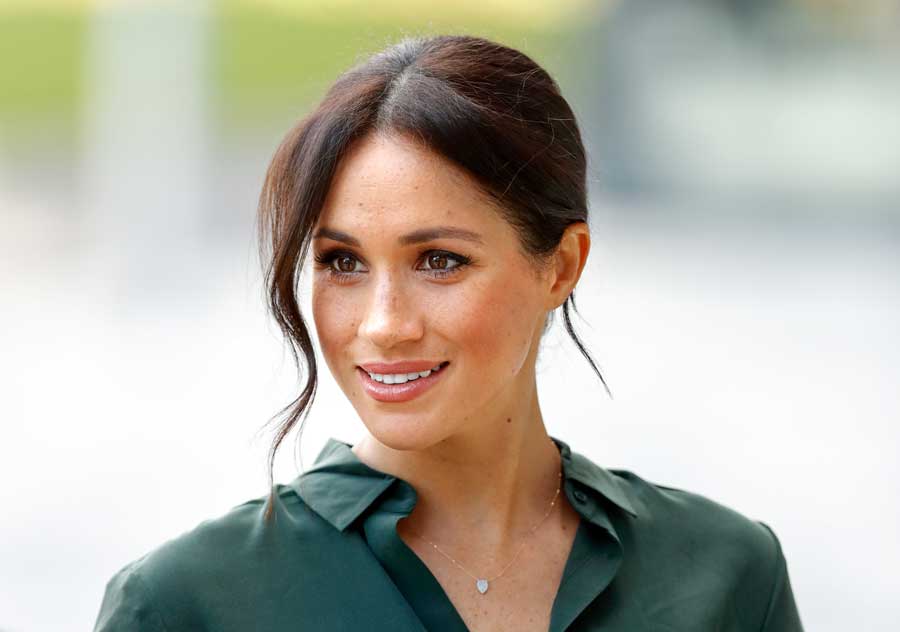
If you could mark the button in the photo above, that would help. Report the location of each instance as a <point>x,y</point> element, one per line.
<point>580,496</point>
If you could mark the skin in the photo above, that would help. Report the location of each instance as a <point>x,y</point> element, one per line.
<point>474,446</point>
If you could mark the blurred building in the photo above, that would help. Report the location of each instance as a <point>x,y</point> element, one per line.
<point>781,109</point>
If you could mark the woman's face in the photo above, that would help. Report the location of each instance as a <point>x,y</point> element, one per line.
<point>414,268</point>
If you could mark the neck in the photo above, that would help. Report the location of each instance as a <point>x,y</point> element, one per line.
<point>496,480</point>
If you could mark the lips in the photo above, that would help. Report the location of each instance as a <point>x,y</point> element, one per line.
<point>397,393</point>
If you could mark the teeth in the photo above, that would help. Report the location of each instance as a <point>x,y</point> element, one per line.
<point>401,378</point>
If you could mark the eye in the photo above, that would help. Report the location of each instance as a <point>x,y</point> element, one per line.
<point>346,264</point>
<point>440,261</point>
<point>341,265</point>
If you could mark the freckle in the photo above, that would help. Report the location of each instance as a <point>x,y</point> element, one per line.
<point>508,420</point>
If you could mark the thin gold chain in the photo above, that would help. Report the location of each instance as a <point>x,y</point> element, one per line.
<point>524,542</point>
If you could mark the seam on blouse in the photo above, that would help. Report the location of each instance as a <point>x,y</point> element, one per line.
<point>778,577</point>
<point>150,602</point>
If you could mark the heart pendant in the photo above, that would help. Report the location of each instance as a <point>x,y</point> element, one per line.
<point>482,585</point>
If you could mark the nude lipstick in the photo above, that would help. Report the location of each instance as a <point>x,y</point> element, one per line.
<point>402,391</point>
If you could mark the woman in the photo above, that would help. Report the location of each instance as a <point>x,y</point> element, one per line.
<point>441,187</point>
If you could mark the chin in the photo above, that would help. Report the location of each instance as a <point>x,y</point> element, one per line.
<point>404,432</point>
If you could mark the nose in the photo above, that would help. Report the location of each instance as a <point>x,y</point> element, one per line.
<point>392,316</point>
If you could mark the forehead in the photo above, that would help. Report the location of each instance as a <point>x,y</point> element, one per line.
<point>392,178</point>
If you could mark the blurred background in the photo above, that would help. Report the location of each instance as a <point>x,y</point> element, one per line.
<point>742,295</point>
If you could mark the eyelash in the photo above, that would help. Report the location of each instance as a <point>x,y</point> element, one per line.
<point>326,259</point>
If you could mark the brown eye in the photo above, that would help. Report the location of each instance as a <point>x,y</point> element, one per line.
<point>437,262</point>
<point>442,264</point>
<point>345,263</point>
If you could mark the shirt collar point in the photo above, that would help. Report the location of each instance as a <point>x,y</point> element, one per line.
<point>597,478</point>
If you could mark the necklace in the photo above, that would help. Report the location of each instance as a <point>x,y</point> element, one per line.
<point>481,583</point>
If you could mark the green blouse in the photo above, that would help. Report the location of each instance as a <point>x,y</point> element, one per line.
<point>645,557</point>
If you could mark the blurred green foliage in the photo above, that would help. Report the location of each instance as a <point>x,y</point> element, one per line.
<point>40,67</point>
<point>264,62</point>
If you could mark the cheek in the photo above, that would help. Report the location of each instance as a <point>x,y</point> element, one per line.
<point>494,324</point>
<point>336,320</point>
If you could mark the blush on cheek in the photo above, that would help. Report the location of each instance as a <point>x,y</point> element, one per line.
<point>336,326</point>
<point>495,327</point>
<point>334,315</point>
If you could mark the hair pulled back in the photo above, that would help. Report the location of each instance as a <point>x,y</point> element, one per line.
<point>488,108</point>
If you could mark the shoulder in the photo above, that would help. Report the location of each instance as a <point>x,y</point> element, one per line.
<point>707,547</point>
<point>205,566</point>
<point>243,532</point>
<point>691,518</point>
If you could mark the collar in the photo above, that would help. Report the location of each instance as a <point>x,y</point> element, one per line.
<point>339,487</point>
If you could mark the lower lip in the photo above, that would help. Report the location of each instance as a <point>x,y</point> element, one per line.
<point>399,392</point>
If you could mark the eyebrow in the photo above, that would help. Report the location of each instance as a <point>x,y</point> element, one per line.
<point>415,237</point>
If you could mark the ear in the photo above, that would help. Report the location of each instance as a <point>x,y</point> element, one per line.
<point>568,262</point>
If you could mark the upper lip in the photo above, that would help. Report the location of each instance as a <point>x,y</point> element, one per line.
<point>411,366</point>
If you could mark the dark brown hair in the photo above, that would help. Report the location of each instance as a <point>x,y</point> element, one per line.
<point>488,108</point>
